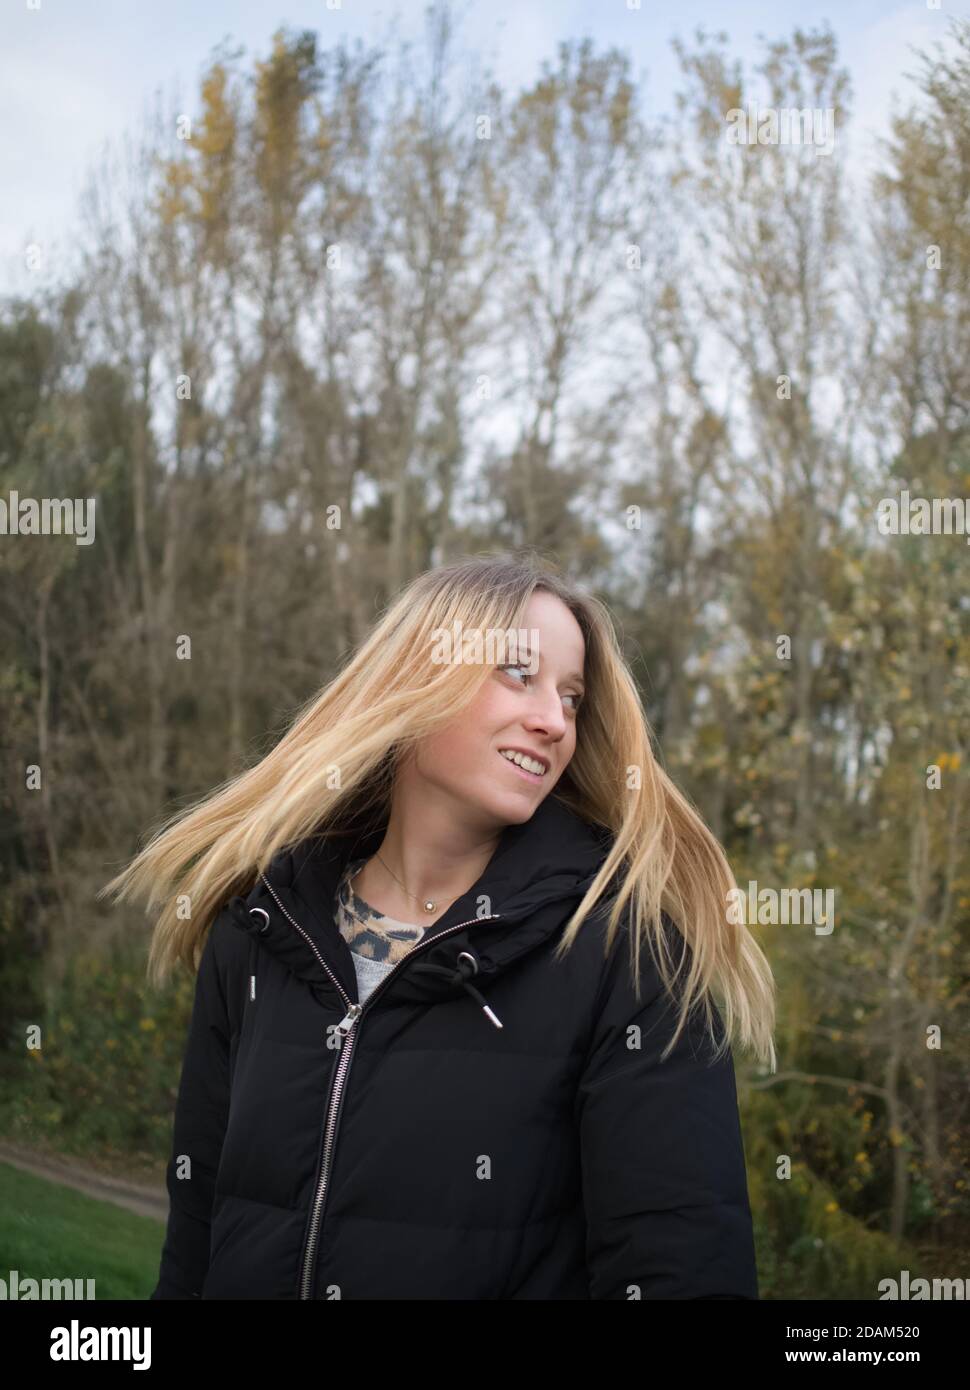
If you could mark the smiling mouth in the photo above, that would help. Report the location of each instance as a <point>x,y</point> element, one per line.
<point>530,776</point>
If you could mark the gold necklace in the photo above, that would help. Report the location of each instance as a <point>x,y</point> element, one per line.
<point>348,897</point>
<point>427,903</point>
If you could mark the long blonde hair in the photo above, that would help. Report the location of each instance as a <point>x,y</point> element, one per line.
<point>337,759</point>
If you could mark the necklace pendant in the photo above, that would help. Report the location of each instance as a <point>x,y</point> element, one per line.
<point>429,906</point>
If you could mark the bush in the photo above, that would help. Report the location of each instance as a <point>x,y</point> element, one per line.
<point>104,1079</point>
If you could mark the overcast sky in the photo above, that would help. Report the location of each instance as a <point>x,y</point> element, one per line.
<point>75,74</point>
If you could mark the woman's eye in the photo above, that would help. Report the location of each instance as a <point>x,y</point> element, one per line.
<point>513,668</point>
<point>517,666</point>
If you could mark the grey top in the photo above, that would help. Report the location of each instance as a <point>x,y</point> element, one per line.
<point>377,942</point>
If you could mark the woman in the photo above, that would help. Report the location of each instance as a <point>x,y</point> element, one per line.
<point>429,1056</point>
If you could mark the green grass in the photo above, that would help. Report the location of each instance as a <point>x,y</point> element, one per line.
<point>54,1232</point>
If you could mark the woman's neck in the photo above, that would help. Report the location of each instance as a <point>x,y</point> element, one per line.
<point>408,871</point>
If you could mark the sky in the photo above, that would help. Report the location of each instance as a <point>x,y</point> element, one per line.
<point>76,75</point>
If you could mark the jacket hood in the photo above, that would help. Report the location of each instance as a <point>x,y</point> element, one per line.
<point>538,874</point>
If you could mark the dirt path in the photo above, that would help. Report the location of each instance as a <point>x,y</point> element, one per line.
<point>143,1199</point>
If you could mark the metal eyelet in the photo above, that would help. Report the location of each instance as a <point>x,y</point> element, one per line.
<point>467,955</point>
<point>253,911</point>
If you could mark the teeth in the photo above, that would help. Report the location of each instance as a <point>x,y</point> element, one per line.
<point>529,764</point>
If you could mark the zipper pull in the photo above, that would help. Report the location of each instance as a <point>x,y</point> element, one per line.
<point>344,1026</point>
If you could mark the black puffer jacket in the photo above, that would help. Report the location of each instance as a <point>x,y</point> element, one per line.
<point>419,1150</point>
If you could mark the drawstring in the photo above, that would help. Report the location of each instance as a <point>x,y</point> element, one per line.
<point>248,918</point>
<point>459,976</point>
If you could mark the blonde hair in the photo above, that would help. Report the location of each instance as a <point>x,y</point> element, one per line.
<point>335,764</point>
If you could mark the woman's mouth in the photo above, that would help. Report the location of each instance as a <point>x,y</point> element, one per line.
<point>530,772</point>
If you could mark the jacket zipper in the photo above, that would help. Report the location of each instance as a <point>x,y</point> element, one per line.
<point>347,1030</point>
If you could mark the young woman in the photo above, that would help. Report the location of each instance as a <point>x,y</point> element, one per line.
<point>468,986</point>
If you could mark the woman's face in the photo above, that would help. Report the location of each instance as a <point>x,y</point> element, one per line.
<point>515,709</point>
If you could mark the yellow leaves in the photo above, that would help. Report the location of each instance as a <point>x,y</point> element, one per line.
<point>896,1137</point>
<point>146,1025</point>
<point>862,1157</point>
<point>949,761</point>
<point>172,202</point>
<point>831,1207</point>
<point>218,128</point>
<point>620,109</point>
